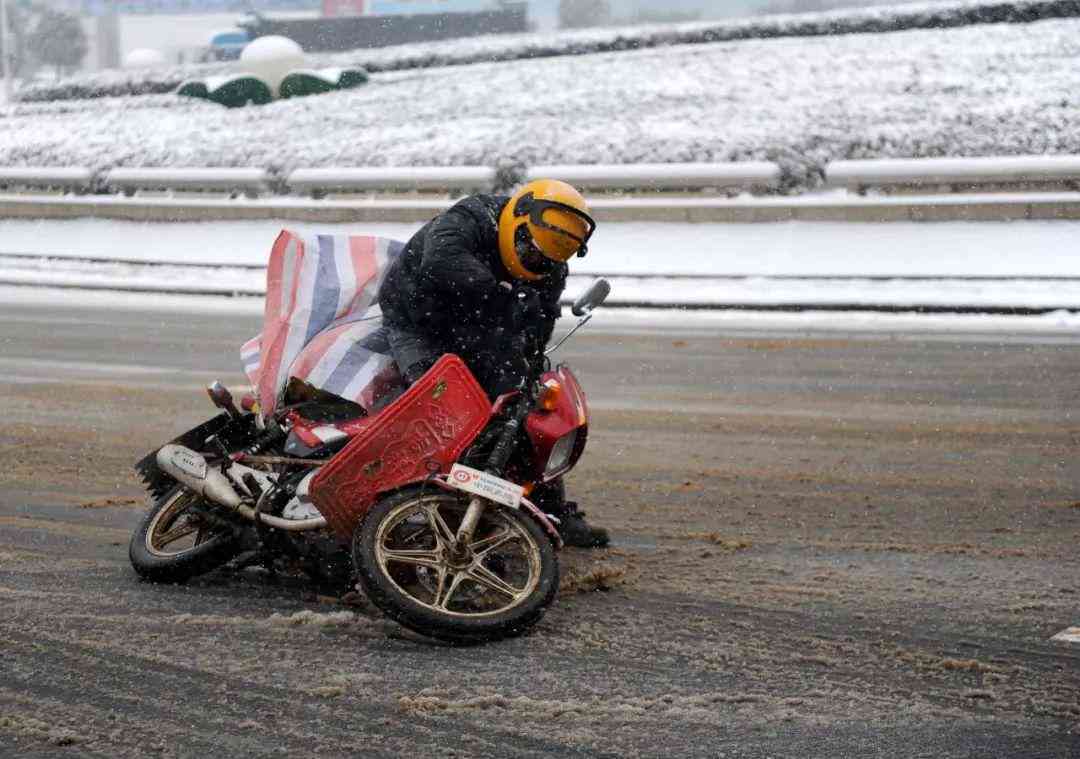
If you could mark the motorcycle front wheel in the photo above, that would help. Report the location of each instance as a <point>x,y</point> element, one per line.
<point>497,587</point>
<point>173,543</point>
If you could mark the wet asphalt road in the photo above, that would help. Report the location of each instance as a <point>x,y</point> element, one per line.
<point>828,545</point>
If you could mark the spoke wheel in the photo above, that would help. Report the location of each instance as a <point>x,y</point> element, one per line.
<point>176,529</point>
<point>174,543</point>
<point>412,567</point>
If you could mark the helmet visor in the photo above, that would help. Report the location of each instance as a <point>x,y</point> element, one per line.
<point>537,208</point>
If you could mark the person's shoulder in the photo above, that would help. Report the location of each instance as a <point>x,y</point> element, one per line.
<point>484,208</point>
<point>482,203</point>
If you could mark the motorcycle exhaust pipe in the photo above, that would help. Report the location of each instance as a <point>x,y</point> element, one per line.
<point>191,470</point>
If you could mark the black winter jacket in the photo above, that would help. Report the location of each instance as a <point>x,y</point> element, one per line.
<point>445,284</point>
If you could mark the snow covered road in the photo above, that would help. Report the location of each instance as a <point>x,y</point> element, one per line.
<point>827,547</point>
<point>1003,268</point>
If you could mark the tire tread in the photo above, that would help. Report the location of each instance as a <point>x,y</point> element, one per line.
<point>179,569</point>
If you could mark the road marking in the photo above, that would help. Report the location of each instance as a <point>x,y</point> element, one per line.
<point>53,367</point>
<point>1068,635</point>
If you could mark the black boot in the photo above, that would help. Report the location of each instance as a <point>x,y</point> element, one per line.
<point>575,531</point>
<point>572,527</point>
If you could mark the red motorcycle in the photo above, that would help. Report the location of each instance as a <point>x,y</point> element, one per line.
<point>427,502</point>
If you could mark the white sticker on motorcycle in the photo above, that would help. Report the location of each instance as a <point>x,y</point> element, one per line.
<point>486,485</point>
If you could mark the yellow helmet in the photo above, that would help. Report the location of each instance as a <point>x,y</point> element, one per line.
<point>545,224</point>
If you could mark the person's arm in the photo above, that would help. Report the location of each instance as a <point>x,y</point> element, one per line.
<point>550,294</point>
<point>450,265</point>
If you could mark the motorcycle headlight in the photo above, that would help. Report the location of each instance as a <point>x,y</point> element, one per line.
<point>561,453</point>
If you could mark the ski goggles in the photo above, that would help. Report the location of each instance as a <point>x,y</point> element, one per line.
<point>535,208</point>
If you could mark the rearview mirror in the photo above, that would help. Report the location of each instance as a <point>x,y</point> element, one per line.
<point>591,298</point>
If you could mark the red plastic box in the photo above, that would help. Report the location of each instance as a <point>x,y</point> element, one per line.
<point>421,433</point>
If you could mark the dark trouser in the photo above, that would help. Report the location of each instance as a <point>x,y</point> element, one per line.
<point>415,353</point>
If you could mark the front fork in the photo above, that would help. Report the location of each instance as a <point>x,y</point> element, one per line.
<point>468,523</point>
<point>496,463</point>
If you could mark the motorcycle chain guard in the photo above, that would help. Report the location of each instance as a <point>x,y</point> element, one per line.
<point>420,434</point>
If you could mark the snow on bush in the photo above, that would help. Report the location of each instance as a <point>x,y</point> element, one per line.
<point>982,90</point>
<point>145,58</point>
<point>271,59</point>
<point>934,15</point>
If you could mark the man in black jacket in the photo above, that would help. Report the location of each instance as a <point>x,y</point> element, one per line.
<point>483,280</point>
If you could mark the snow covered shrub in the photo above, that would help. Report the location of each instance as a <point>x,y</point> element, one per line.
<point>1005,89</point>
<point>938,15</point>
<point>509,173</point>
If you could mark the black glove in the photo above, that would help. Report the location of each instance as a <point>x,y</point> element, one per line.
<point>528,309</point>
<point>511,371</point>
<point>529,323</point>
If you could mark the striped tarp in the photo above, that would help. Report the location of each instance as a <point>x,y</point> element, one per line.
<point>321,293</point>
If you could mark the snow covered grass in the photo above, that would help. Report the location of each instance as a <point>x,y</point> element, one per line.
<point>982,90</point>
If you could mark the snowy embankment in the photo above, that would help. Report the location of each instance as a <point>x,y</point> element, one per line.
<point>802,249</point>
<point>1012,296</point>
<point>899,17</point>
<point>948,267</point>
<point>984,90</point>
<point>1060,326</point>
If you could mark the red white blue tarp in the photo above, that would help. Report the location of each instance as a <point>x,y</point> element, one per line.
<point>321,293</point>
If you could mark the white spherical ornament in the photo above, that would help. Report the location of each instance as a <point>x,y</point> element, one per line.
<point>271,59</point>
<point>145,58</point>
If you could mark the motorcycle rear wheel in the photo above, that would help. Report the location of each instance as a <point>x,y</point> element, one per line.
<point>499,588</point>
<point>172,543</point>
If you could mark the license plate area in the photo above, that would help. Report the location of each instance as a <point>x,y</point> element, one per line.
<point>486,485</point>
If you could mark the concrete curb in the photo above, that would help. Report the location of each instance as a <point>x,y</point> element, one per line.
<point>217,209</point>
<point>980,207</point>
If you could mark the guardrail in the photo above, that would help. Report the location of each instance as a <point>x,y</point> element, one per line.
<point>743,210</point>
<point>402,179</point>
<point>71,178</point>
<point>749,176</point>
<point>249,181</point>
<point>923,174</point>
<point>956,174</point>
<point>644,192</point>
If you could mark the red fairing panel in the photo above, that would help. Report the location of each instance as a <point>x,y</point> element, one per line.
<point>421,433</point>
<point>316,434</point>
<point>545,428</point>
